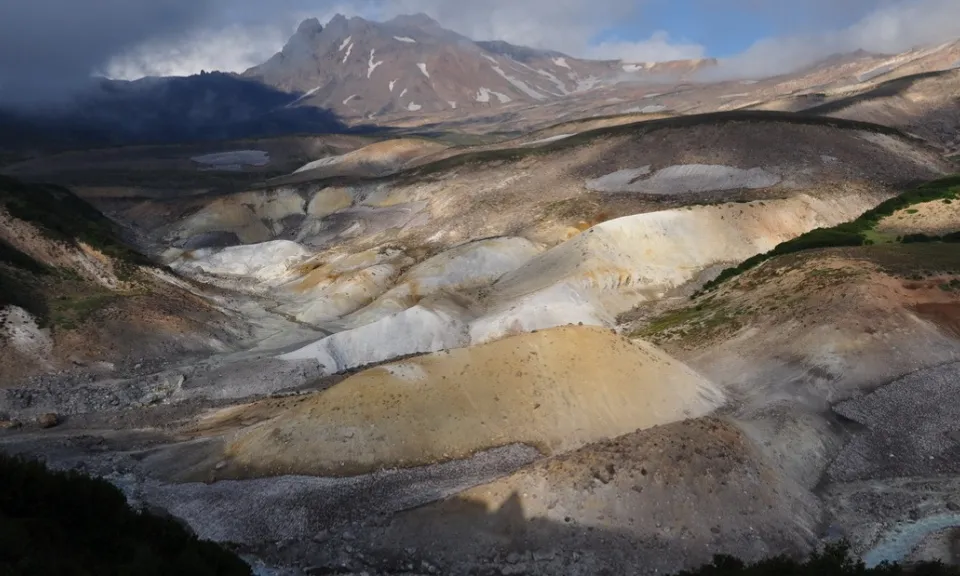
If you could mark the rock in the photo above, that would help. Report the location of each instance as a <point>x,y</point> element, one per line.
<point>48,420</point>
<point>953,506</point>
<point>513,558</point>
<point>10,424</point>
<point>321,536</point>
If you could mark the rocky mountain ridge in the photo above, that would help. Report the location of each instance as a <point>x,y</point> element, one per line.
<point>360,68</point>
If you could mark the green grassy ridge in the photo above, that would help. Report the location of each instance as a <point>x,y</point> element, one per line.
<point>68,524</point>
<point>853,233</point>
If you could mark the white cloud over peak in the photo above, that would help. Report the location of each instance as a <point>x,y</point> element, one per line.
<point>658,48</point>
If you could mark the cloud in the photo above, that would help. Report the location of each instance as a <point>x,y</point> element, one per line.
<point>230,49</point>
<point>658,48</point>
<point>49,47</point>
<point>888,29</point>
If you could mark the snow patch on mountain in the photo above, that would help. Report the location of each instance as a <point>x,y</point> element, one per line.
<point>345,43</point>
<point>414,107</point>
<point>483,95</point>
<point>392,84</point>
<point>561,62</point>
<point>423,68</point>
<point>371,65</point>
<point>518,84</point>
<point>348,99</point>
<point>558,82</point>
<point>347,55</point>
<point>405,39</point>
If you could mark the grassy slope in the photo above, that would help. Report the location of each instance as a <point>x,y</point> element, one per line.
<point>55,295</point>
<point>856,233</point>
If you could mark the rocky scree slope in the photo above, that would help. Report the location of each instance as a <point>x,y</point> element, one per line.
<point>74,294</point>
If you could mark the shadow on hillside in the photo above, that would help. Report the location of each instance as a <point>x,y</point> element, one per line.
<point>888,89</point>
<point>463,537</point>
<point>204,107</point>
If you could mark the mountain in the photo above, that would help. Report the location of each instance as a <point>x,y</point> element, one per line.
<point>360,68</point>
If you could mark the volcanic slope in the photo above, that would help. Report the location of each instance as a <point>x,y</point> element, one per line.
<point>589,227</point>
<point>73,294</point>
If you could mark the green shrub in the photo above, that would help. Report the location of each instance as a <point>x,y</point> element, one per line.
<point>833,560</point>
<point>68,524</point>
<point>849,233</point>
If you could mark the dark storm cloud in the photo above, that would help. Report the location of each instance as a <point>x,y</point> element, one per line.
<point>48,48</point>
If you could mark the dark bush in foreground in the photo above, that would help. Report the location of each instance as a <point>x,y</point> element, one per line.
<point>64,523</point>
<point>832,561</point>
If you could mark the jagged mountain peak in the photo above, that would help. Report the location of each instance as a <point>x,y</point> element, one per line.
<point>411,64</point>
<point>309,27</point>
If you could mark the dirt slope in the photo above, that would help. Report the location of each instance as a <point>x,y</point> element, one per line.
<point>555,390</point>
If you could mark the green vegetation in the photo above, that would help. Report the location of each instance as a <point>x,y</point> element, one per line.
<point>64,217</point>
<point>859,232</point>
<point>68,524</point>
<point>833,560</point>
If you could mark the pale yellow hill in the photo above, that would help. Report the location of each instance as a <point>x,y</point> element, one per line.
<point>556,390</point>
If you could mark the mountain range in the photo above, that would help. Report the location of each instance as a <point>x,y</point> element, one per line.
<point>360,68</point>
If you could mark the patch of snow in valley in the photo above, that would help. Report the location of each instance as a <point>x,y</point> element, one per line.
<point>403,92</point>
<point>423,68</point>
<point>548,140</point>
<point>348,99</point>
<point>871,74</point>
<point>518,84</point>
<point>328,161</point>
<point>392,84</point>
<point>347,55</point>
<point>345,43</point>
<point>233,160</point>
<point>684,178</point>
<point>414,107</point>
<point>371,65</point>
<point>633,67</point>
<point>651,109</point>
<point>483,95</point>
<point>739,95</point>
<point>561,62</point>
<point>405,39</point>
<point>22,331</point>
<point>491,59</point>
<point>452,104</point>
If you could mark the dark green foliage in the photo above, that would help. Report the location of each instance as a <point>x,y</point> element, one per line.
<point>914,238</point>
<point>834,560</point>
<point>69,524</point>
<point>852,233</point>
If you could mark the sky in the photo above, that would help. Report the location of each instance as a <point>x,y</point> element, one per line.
<point>50,47</point>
